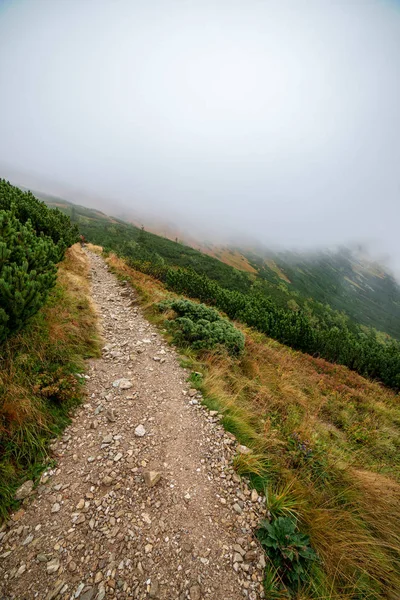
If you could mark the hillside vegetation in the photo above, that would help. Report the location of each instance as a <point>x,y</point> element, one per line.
<point>40,379</point>
<point>343,279</point>
<point>320,442</point>
<point>336,285</point>
<point>314,327</point>
<point>33,239</point>
<point>324,450</point>
<point>47,327</point>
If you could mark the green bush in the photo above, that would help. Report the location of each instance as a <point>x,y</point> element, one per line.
<point>288,549</point>
<point>49,221</point>
<point>27,272</point>
<point>202,327</point>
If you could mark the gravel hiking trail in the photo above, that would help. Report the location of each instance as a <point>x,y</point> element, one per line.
<point>143,501</point>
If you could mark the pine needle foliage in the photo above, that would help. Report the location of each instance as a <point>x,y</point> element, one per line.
<point>49,221</point>
<point>27,272</point>
<point>202,327</point>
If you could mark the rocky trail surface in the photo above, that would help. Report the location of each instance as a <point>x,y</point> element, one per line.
<point>143,502</point>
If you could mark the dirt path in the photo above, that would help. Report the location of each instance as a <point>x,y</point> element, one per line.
<point>95,528</point>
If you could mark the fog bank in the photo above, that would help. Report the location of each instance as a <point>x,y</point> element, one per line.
<point>274,120</point>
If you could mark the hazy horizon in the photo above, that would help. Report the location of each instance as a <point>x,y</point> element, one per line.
<point>275,121</point>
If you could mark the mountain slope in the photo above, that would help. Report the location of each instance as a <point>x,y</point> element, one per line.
<point>343,279</point>
<point>317,283</point>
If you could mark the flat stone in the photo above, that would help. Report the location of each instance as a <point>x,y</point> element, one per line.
<point>238,548</point>
<point>110,414</point>
<point>125,384</point>
<point>56,590</point>
<point>151,477</point>
<point>24,491</point>
<point>237,509</point>
<point>81,519</point>
<point>41,557</point>
<point>55,508</point>
<point>21,570</point>
<point>254,495</point>
<point>27,540</point>
<point>79,590</point>
<point>243,449</point>
<point>140,431</point>
<point>107,439</point>
<point>53,565</point>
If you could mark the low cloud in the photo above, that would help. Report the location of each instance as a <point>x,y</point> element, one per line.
<point>273,121</point>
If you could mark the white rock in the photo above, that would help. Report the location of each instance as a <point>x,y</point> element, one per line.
<point>243,449</point>
<point>125,384</point>
<point>140,431</point>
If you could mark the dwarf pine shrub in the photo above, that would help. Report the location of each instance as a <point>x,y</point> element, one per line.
<point>27,272</point>
<point>202,327</point>
<point>49,221</point>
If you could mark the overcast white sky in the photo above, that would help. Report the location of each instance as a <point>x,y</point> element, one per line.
<point>277,119</point>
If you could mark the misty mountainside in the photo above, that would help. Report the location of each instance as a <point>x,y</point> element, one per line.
<point>330,285</point>
<point>75,211</point>
<point>343,279</point>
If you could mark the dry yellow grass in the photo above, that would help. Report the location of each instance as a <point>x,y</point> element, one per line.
<point>274,267</point>
<point>232,258</point>
<point>95,249</point>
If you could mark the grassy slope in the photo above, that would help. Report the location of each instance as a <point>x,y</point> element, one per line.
<point>38,387</point>
<point>341,280</point>
<point>325,444</point>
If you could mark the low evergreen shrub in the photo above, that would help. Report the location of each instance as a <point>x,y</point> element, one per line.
<point>27,272</point>
<point>202,327</point>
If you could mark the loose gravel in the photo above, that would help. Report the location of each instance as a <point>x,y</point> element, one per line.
<point>144,502</point>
